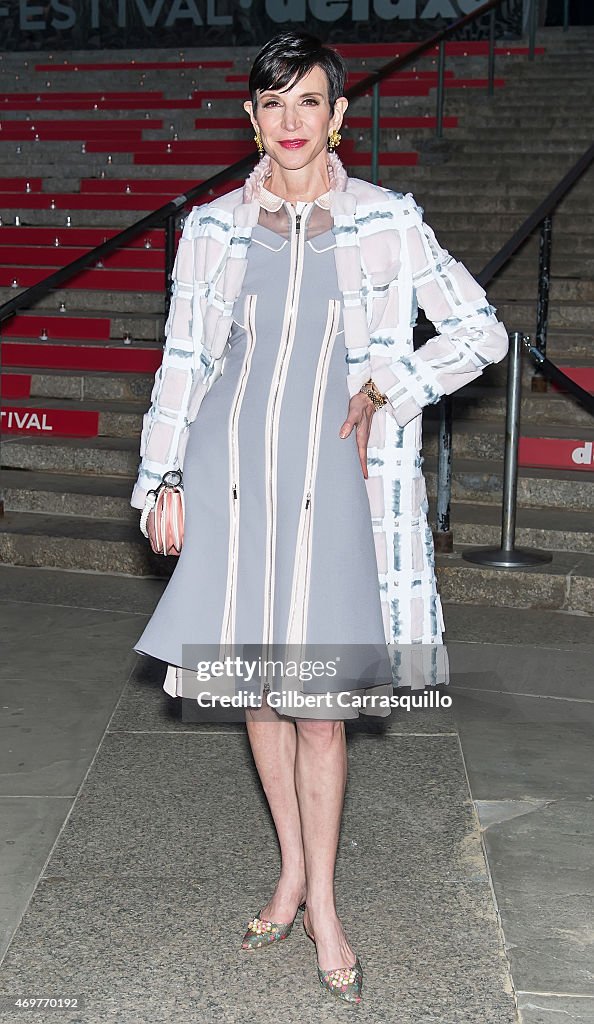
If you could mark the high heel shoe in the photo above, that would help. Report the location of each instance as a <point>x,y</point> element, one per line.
<point>263,933</point>
<point>343,982</point>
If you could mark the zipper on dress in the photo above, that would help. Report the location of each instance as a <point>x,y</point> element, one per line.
<point>300,587</point>
<point>230,596</point>
<point>271,536</point>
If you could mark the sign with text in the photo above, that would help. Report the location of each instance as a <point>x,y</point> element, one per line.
<point>102,24</point>
<point>45,422</point>
<point>556,453</point>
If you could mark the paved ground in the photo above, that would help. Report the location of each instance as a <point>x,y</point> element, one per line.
<point>136,845</point>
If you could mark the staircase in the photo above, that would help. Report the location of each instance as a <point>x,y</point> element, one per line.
<point>88,147</point>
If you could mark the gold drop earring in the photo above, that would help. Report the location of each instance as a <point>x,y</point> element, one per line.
<point>334,140</point>
<point>259,143</point>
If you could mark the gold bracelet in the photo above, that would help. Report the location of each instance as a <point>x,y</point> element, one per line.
<point>373,392</point>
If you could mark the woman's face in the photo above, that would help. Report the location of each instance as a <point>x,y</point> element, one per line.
<point>295,124</point>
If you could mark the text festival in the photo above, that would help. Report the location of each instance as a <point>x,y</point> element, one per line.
<point>61,15</point>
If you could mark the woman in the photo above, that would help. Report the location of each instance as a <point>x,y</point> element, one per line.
<point>302,475</point>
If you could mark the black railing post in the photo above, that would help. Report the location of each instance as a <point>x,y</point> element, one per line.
<point>1,491</point>
<point>442,536</point>
<point>375,132</point>
<point>491,68</point>
<point>532,20</point>
<point>169,258</point>
<point>542,303</point>
<point>565,15</point>
<point>440,88</point>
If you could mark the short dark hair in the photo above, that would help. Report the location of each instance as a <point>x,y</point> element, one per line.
<point>286,58</point>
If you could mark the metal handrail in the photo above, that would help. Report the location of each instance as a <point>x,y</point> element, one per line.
<point>543,210</point>
<point>31,295</point>
<point>556,375</point>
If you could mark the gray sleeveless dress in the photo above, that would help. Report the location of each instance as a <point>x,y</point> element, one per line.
<point>289,569</point>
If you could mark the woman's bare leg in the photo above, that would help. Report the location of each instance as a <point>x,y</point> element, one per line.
<point>320,775</point>
<point>273,741</point>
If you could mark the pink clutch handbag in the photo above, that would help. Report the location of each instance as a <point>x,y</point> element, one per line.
<point>167,500</point>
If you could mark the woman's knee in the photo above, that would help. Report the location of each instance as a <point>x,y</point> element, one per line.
<point>320,734</point>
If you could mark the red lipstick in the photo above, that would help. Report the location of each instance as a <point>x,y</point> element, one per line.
<point>293,143</point>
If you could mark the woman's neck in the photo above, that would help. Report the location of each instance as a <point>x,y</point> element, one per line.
<point>302,185</point>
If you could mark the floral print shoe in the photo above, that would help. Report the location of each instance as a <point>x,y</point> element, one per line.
<point>344,982</point>
<point>263,933</point>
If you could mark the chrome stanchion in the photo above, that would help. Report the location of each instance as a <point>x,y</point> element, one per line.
<point>507,556</point>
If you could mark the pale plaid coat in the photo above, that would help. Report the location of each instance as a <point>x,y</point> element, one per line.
<point>388,263</point>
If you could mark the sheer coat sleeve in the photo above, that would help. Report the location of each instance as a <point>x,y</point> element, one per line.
<point>469,335</point>
<point>165,420</point>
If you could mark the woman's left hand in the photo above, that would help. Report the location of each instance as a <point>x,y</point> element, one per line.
<point>361,410</point>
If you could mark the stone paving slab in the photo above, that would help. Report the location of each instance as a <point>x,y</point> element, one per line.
<point>543,874</point>
<point>525,716</point>
<point>547,672</point>
<point>148,951</point>
<point>63,669</point>
<point>188,805</point>
<point>57,643</point>
<point>518,747</point>
<point>539,1008</point>
<point>536,627</point>
<point>79,589</point>
<point>28,827</point>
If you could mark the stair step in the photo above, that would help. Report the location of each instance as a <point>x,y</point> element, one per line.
<point>565,223</point>
<point>80,386</point>
<point>522,202</point>
<point>66,494</point>
<point>28,417</point>
<point>24,325</point>
<point>109,357</point>
<point>486,439</point>
<point>69,542</point>
<point>561,289</point>
<point>565,584</point>
<point>78,301</point>
<point>548,529</point>
<point>113,456</point>
<point>481,481</point>
<point>538,411</point>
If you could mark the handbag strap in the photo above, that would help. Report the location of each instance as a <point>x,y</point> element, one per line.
<point>150,502</point>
